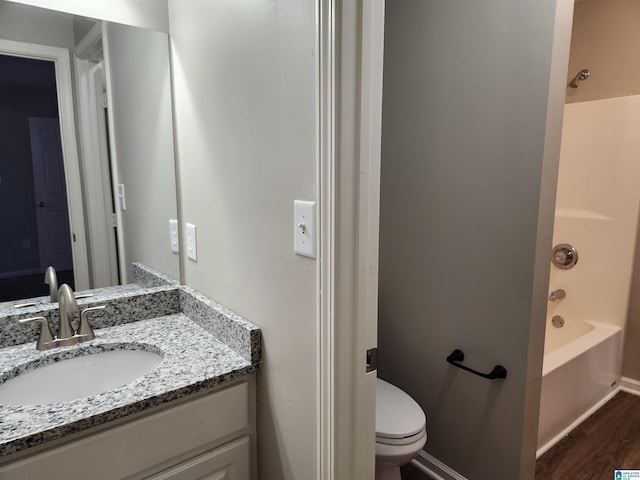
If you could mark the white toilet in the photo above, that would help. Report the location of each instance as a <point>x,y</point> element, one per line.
<point>401,430</point>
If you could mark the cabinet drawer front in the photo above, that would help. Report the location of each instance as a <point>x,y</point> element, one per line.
<point>141,444</point>
<point>229,462</point>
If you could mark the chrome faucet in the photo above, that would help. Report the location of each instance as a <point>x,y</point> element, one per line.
<point>66,335</point>
<point>557,295</point>
<point>51,279</point>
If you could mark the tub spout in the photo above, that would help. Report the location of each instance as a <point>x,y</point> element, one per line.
<point>557,295</point>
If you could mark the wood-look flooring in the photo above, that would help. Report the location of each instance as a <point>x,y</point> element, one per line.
<point>608,440</point>
<point>409,472</point>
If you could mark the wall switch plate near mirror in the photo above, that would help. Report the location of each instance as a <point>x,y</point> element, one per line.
<point>70,155</point>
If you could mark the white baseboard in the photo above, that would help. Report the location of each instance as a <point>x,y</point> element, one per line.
<point>434,468</point>
<point>630,385</point>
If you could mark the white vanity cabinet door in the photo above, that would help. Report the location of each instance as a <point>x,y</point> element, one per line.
<point>229,462</point>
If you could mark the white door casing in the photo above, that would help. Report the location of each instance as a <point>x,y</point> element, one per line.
<point>101,235</point>
<point>351,211</point>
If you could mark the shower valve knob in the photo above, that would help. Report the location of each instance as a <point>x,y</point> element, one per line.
<point>560,257</point>
<point>564,256</point>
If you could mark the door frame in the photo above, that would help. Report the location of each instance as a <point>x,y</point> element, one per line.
<point>93,139</point>
<point>350,52</point>
<point>61,59</point>
<point>98,201</point>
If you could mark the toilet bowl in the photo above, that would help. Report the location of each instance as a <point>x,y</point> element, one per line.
<point>400,430</point>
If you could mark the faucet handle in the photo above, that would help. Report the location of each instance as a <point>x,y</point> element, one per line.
<point>557,295</point>
<point>85,329</point>
<point>45,340</point>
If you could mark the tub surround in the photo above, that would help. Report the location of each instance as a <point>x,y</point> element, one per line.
<point>597,212</point>
<point>597,208</point>
<point>577,379</point>
<point>203,345</point>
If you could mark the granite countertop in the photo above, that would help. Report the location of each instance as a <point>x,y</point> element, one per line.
<point>203,344</point>
<point>193,360</point>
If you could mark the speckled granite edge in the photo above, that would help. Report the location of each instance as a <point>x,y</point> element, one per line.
<point>125,304</point>
<point>230,328</point>
<point>193,360</point>
<point>146,276</point>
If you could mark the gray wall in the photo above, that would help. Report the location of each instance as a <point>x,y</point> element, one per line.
<point>467,172</point>
<point>605,40</point>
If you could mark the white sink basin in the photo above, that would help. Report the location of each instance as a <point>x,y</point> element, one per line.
<point>78,377</point>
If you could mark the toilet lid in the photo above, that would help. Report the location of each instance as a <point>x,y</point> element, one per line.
<point>397,414</point>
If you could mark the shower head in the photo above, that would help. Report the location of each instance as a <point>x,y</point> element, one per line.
<point>582,75</point>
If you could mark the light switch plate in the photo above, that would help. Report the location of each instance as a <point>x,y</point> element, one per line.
<point>192,247</point>
<point>304,228</point>
<point>173,236</point>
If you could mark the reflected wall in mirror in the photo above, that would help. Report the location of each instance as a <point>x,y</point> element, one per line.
<point>87,172</point>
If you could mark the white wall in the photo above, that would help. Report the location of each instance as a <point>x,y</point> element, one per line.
<point>597,208</point>
<point>141,137</point>
<point>245,102</point>
<point>25,24</point>
<point>139,13</point>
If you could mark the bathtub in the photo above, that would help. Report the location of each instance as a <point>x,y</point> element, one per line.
<point>580,372</point>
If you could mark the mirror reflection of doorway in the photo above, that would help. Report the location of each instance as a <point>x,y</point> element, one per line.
<point>33,197</point>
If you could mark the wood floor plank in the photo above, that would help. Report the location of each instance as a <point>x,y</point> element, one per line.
<point>608,440</point>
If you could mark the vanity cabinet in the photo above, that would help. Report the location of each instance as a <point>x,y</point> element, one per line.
<point>205,436</point>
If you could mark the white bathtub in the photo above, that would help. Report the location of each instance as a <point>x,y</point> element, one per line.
<point>580,372</point>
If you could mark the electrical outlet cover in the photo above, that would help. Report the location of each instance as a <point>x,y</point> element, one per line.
<point>192,247</point>
<point>173,236</point>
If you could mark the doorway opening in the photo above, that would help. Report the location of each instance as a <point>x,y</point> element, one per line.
<point>33,190</point>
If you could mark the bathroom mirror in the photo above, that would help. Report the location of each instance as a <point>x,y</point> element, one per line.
<point>113,160</point>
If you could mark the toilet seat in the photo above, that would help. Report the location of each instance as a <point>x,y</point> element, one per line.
<point>399,419</point>
<point>404,440</point>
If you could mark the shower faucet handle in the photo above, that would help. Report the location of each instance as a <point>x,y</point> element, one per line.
<point>557,295</point>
